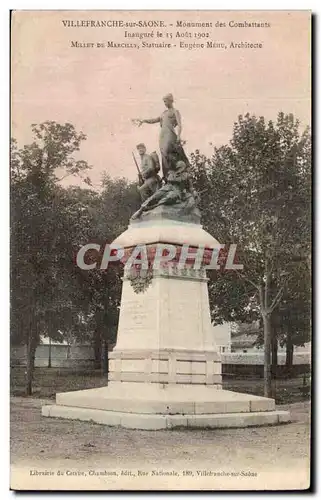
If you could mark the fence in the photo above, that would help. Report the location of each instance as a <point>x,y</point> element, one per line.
<point>62,356</point>
<point>82,357</point>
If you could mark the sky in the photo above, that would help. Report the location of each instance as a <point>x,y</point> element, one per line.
<point>100,90</point>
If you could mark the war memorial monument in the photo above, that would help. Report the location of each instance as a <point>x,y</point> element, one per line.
<point>165,370</point>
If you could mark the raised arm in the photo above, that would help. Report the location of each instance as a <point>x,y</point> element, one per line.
<point>152,120</point>
<point>139,122</point>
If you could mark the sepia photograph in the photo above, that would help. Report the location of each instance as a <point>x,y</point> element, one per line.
<point>160,250</point>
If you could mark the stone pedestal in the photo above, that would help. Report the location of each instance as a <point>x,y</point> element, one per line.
<point>165,334</point>
<point>165,370</point>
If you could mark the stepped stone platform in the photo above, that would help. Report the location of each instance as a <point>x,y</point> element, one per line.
<point>153,406</point>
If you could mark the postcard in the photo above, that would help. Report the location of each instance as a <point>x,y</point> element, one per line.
<point>160,250</point>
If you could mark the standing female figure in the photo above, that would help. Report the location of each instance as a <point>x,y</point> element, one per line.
<point>170,135</point>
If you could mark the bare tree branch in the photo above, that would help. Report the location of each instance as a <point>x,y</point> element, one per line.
<point>63,177</point>
<point>277,298</point>
<point>248,280</point>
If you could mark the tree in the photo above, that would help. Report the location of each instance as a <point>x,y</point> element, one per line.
<point>292,319</point>
<point>51,296</point>
<point>99,291</point>
<point>39,231</point>
<point>255,192</point>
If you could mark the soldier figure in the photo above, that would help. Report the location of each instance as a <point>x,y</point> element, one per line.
<point>149,173</point>
<point>177,191</point>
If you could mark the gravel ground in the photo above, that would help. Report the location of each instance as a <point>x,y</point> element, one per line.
<point>96,457</point>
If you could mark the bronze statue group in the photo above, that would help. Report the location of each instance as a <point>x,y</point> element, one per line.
<point>175,187</point>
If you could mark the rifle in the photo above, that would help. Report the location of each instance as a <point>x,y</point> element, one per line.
<point>140,177</point>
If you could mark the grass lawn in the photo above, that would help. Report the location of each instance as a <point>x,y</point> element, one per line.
<point>287,390</point>
<point>49,381</point>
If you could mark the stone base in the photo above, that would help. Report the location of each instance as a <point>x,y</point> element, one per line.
<point>166,366</point>
<point>153,406</point>
<point>151,230</point>
<point>169,212</point>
